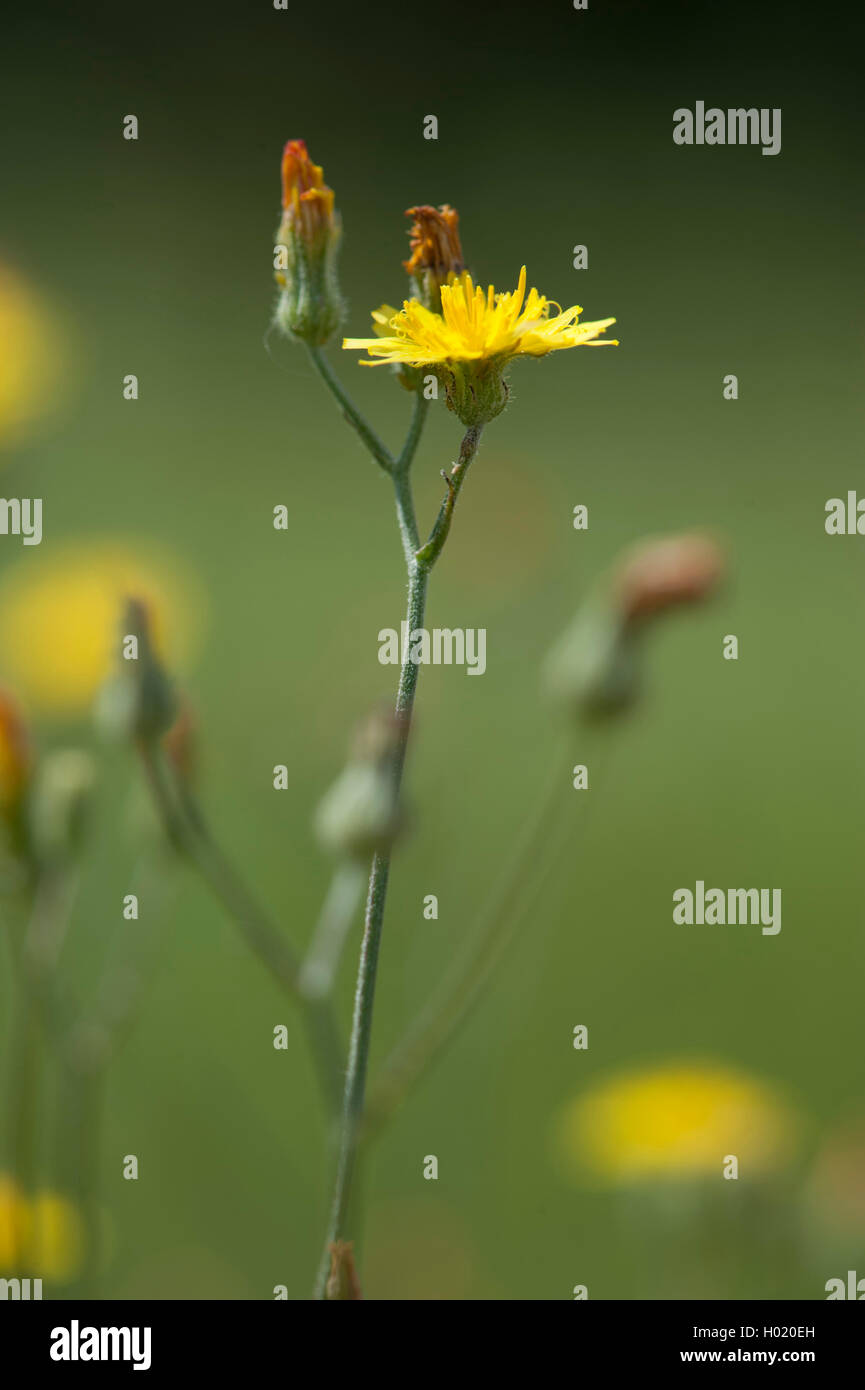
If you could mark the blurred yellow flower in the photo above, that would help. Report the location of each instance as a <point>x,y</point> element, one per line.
<point>60,619</point>
<point>677,1120</point>
<point>30,355</point>
<point>56,1240</point>
<point>12,1220</point>
<point>42,1238</point>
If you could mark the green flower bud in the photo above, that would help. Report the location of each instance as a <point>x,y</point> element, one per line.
<point>596,666</point>
<point>594,669</point>
<point>310,307</point>
<point>60,802</point>
<point>360,815</point>
<point>139,702</point>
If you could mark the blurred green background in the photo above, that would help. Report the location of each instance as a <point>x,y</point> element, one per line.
<point>555,128</point>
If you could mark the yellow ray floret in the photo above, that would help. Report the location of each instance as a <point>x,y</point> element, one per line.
<point>475,325</point>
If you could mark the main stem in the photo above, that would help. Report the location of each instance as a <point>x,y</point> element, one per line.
<point>419,564</point>
<point>361,1029</point>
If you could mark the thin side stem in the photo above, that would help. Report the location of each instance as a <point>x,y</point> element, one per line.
<point>420,408</point>
<point>455,479</point>
<point>380,452</point>
<point>406,519</point>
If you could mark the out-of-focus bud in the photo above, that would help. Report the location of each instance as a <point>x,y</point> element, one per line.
<point>595,668</point>
<point>342,1283</point>
<point>360,815</point>
<point>662,573</point>
<point>436,254</point>
<point>310,307</point>
<point>15,756</point>
<point>180,743</point>
<point>139,702</point>
<point>60,803</point>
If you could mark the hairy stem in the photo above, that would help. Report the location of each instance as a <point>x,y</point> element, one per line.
<point>419,568</point>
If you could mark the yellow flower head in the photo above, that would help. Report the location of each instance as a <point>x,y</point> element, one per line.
<point>476,325</point>
<point>679,1120</point>
<point>474,338</point>
<point>60,620</point>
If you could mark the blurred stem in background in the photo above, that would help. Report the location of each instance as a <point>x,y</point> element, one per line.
<point>321,962</point>
<point>444,1012</point>
<point>187,831</point>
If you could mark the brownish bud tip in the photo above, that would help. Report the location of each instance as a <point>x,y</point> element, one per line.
<point>662,573</point>
<point>435,243</point>
<point>307,201</point>
<point>343,1283</point>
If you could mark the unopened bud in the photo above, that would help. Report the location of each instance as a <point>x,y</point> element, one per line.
<point>360,815</point>
<point>667,571</point>
<point>436,254</point>
<point>593,669</point>
<point>596,667</point>
<point>310,307</point>
<point>61,800</point>
<point>139,701</point>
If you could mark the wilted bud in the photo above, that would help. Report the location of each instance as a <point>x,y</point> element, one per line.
<point>138,702</point>
<point>342,1283</point>
<point>360,815</point>
<point>60,803</point>
<point>661,573</point>
<point>310,307</point>
<point>436,254</point>
<point>596,667</point>
<point>15,756</point>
